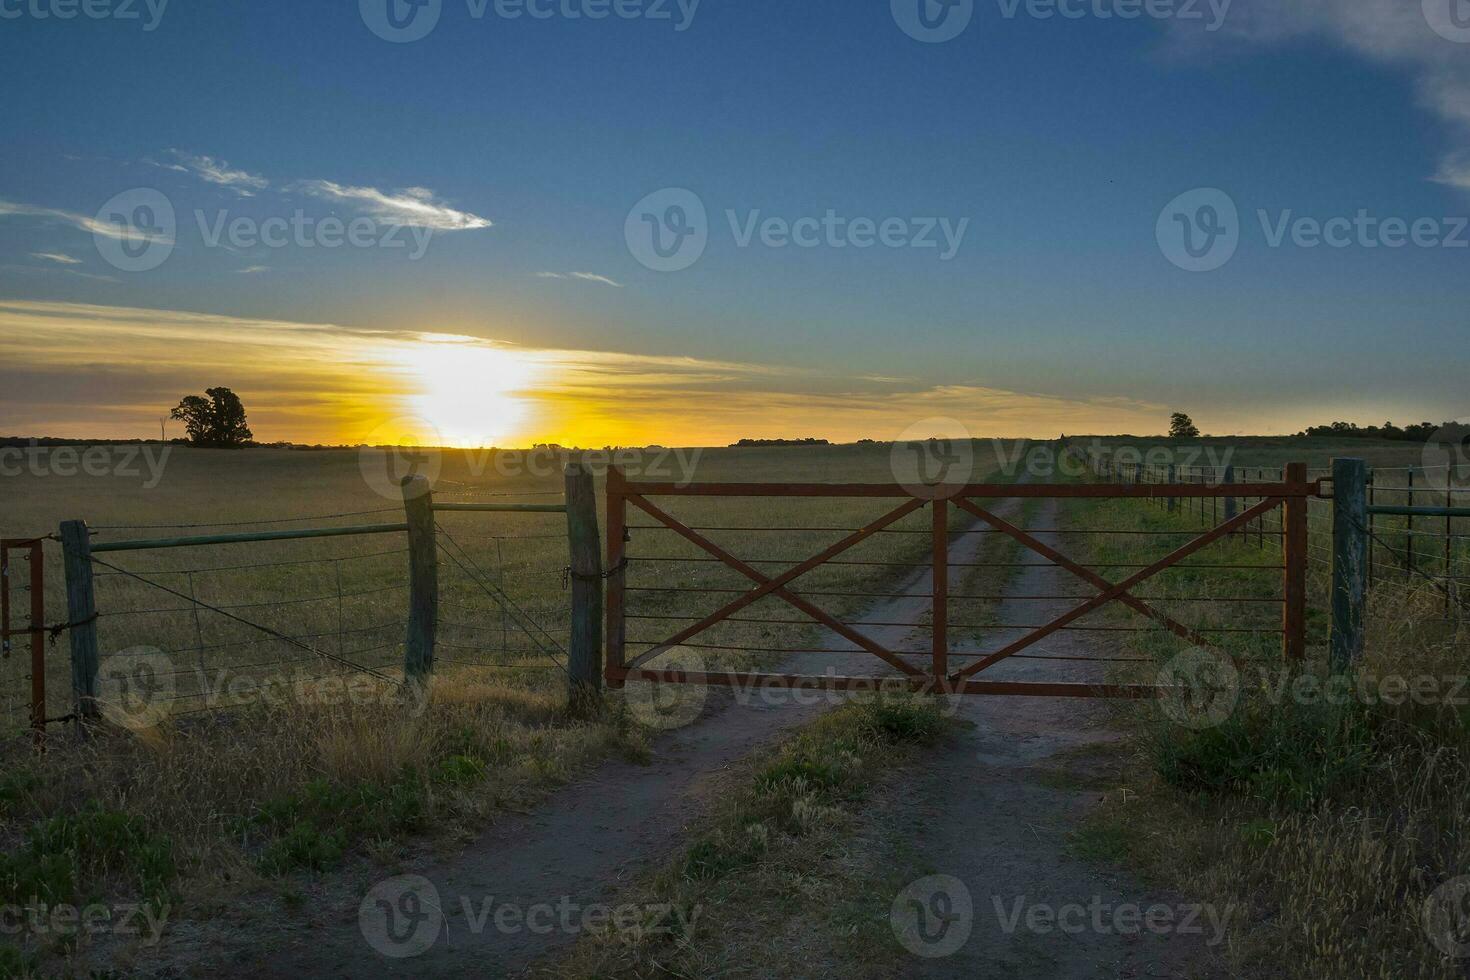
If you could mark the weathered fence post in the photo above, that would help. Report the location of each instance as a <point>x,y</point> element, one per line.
<point>81,614</point>
<point>1231,507</point>
<point>617,537</point>
<point>1294,549</point>
<point>1173,477</point>
<point>584,654</point>
<point>1349,560</point>
<point>423,580</point>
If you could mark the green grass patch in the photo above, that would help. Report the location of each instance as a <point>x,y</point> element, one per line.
<point>73,857</point>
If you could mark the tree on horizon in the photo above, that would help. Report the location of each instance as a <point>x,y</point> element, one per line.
<point>215,419</point>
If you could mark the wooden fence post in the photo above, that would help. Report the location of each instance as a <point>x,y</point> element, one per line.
<point>940,602</point>
<point>1231,507</point>
<point>617,534</point>
<point>1173,478</point>
<point>1349,560</point>
<point>584,654</point>
<point>1294,552</point>
<point>423,580</point>
<point>81,613</point>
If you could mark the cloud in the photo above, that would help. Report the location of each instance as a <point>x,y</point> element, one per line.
<point>251,270</point>
<point>80,221</point>
<point>584,276</point>
<point>1389,32</point>
<point>57,257</point>
<point>217,172</point>
<point>413,207</point>
<point>79,369</point>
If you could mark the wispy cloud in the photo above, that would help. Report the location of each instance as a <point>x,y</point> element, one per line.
<point>1384,31</point>
<point>413,207</point>
<point>217,172</point>
<point>584,276</point>
<point>251,270</point>
<point>56,257</point>
<point>83,222</point>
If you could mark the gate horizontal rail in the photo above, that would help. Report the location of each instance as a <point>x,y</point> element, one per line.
<point>1290,496</point>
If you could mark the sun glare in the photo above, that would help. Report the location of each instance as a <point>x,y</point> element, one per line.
<point>468,392</point>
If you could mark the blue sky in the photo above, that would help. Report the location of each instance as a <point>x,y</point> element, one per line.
<point>1057,140</point>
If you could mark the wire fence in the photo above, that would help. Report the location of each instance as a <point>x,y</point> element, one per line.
<point>1409,555</point>
<point>192,629</point>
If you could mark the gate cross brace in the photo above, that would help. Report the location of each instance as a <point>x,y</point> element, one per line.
<point>1121,589</point>
<point>776,586</point>
<point>1087,574</point>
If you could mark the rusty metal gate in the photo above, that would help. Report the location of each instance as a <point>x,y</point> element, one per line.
<point>933,672</point>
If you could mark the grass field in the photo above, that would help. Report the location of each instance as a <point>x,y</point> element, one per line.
<point>300,777</point>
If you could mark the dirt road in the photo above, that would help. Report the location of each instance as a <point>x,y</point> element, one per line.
<point>986,812</point>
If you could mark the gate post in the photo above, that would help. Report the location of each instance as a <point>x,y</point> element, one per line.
<point>423,580</point>
<point>1349,560</point>
<point>1173,477</point>
<point>1294,547</point>
<point>1231,508</point>
<point>584,651</point>
<point>617,536</point>
<point>940,602</point>
<point>81,614</point>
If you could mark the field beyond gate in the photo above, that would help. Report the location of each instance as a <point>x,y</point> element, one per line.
<point>940,668</point>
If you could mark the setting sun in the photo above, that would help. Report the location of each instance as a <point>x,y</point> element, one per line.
<point>467,392</point>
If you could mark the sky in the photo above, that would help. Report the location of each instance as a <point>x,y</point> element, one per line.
<point>513,221</point>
